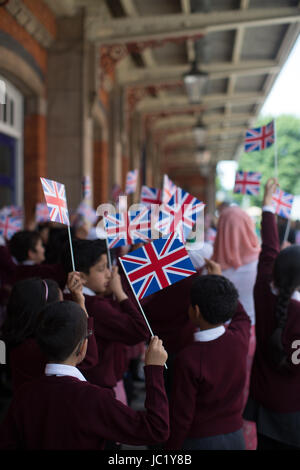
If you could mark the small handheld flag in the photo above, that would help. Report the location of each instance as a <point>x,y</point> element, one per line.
<point>86,187</point>
<point>9,226</point>
<point>180,214</point>
<point>169,189</point>
<point>282,203</point>
<point>41,212</point>
<point>55,195</point>
<point>247,182</point>
<point>127,228</point>
<point>131,181</point>
<point>150,196</point>
<point>259,138</point>
<point>156,265</point>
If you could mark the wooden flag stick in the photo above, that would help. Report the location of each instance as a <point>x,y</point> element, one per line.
<point>108,254</point>
<point>287,230</point>
<point>275,151</point>
<point>143,313</point>
<point>71,247</point>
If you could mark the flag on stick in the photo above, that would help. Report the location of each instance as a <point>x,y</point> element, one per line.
<point>169,189</point>
<point>41,212</point>
<point>247,182</point>
<point>55,195</point>
<point>86,187</point>
<point>259,138</point>
<point>131,181</point>
<point>127,228</point>
<point>156,265</point>
<point>180,214</point>
<point>9,226</point>
<point>282,203</point>
<point>150,196</point>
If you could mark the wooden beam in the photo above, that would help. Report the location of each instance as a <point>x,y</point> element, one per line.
<point>215,70</point>
<point>210,119</point>
<point>217,99</point>
<point>145,28</point>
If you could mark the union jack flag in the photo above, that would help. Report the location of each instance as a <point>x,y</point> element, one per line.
<point>169,189</point>
<point>41,212</point>
<point>150,196</point>
<point>116,192</point>
<point>180,214</point>
<point>247,182</point>
<point>87,212</point>
<point>13,211</point>
<point>55,196</point>
<point>9,226</point>
<point>86,187</point>
<point>157,265</point>
<point>259,138</point>
<point>282,203</point>
<point>127,228</point>
<point>131,181</point>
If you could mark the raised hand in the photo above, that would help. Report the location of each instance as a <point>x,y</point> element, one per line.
<point>156,355</point>
<point>270,189</point>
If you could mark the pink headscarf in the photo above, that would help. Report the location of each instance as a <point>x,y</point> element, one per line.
<point>236,242</point>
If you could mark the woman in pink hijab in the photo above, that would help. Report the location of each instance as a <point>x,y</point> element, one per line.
<point>237,249</point>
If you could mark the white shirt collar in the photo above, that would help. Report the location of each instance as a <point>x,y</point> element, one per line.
<point>64,369</point>
<point>295,296</point>
<point>28,262</point>
<point>87,291</point>
<point>209,335</point>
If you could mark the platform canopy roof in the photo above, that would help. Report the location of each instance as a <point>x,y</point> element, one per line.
<point>241,44</point>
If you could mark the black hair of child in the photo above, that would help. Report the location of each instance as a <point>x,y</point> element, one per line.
<point>61,327</point>
<point>87,253</point>
<point>216,297</point>
<point>22,242</point>
<point>286,277</point>
<point>27,298</point>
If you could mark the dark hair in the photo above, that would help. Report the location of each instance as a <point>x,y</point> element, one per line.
<point>61,327</point>
<point>22,242</point>
<point>27,299</point>
<point>87,253</point>
<point>286,276</point>
<point>216,297</point>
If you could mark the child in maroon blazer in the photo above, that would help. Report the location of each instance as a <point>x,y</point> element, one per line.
<point>28,298</point>
<point>274,399</point>
<point>28,250</point>
<point>209,374</point>
<point>62,411</point>
<point>116,318</point>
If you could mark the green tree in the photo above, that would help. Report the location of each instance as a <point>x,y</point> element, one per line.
<point>288,151</point>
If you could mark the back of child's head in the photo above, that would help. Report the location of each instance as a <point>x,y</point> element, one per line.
<point>61,327</point>
<point>216,297</point>
<point>22,242</point>
<point>28,297</point>
<point>87,253</point>
<point>286,277</point>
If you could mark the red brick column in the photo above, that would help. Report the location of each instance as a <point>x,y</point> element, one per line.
<point>100,173</point>
<point>34,161</point>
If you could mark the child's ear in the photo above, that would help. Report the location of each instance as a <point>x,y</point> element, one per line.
<point>197,312</point>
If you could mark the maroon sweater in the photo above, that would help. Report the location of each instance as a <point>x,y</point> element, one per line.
<point>209,379</point>
<point>167,313</point>
<point>113,323</point>
<point>27,362</point>
<point>44,271</point>
<point>275,390</point>
<point>63,413</point>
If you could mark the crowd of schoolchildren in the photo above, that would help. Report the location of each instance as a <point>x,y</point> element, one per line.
<point>229,336</point>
